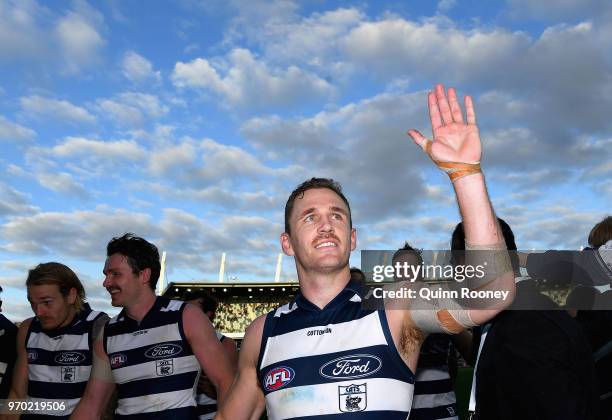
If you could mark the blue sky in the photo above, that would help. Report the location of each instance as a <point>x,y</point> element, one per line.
<point>190,122</point>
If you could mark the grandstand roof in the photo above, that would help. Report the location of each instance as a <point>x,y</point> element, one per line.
<point>228,291</point>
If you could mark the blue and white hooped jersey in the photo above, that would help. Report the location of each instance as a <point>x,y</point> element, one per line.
<point>59,362</point>
<point>333,363</point>
<point>207,406</point>
<point>153,364</point>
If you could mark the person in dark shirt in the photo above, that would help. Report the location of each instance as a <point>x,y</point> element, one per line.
<point>8,338</point>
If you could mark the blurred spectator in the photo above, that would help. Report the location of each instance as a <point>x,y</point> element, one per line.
<point>8,353</point>
<point>532,364</point>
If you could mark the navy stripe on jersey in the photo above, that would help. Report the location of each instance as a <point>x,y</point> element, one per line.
<point>439,412</point>
<point>305,374</point>
<point>153,385</point>
<point>79,357</point>
<point>139,355</point>
<point>433,387</point>
<point>359,415</point>
<point>38,389</point>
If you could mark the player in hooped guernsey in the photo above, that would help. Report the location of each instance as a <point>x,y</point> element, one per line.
<point>153,349</point>
<point>323,356</point>
<point>54,356</point>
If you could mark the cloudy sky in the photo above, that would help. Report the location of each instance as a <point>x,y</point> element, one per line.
<point>190,122</point>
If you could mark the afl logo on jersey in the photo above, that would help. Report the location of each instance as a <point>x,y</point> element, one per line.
<point>278,378</point>
<point>69,358</point>
<point>163,350</point>
<point>117,360</point>
<point>351,367</point>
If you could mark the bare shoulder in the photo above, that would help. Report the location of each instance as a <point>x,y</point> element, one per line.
<point>252,339</point>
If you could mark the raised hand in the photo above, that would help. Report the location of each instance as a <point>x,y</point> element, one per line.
<point>455,140</point>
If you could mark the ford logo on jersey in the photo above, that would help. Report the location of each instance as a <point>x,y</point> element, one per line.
<point>163,350</point>
<point>278,378</point>
<point>69,358</point>
<point>351,366</point>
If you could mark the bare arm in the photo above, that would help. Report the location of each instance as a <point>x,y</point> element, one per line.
<point>457,150</point>
<point>19,385</point>
<point>100,386</point>
<point>208,349</point>
<point>246,399</point>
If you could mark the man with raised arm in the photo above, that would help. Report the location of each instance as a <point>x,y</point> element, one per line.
<point>153,348</point>
<point>325,356</point>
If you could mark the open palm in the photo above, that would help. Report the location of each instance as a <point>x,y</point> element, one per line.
<point>455,139</point>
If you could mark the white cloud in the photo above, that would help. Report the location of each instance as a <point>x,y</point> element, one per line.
<point>138,69</point>
<point>77,33</point>
<point>61,182</point>
<point>201,163</point>
<point>114,150</point>
<point>14,202</point>
<point>245,81</point>
<point>132,109</point>
<point>432,49</point>
<point>446,5</point>
<point>62,110</point>
<point>10,131</point>
<point>22,33</point>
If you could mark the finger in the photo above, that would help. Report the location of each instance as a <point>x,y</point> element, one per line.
<point>454,106</point>
<point>419,139</point>
<point>445,111</point>
<point>434,111</point>
<point>469,110</point>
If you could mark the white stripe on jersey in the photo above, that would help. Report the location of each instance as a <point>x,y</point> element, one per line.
<point>323,399</point>
<point>68,403</point>
<point>296,343</point>
<point>135,339</point>
<point>44,373</point>
<point>433,400</point>
<point>156,402</point>
<point>431,374</point>
<point>3,367</point>
<point>65,342</point>
<point>174,305</point>
<point>92,315</point>
<point>145,370</point>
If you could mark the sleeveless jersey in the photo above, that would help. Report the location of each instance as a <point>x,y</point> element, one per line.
<point>152,363</point>
<point>434,396</point>
<point>207,406</point>
<point>336,362</point>
<point>59,362</point>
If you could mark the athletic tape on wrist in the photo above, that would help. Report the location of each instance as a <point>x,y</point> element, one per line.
<point>455,170</point>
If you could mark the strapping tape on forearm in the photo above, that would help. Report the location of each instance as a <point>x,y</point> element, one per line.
<point>454,170</point>
<point>494,258</point>
<point>441,315</point>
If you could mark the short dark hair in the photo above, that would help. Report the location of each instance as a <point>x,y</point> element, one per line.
<point>140,254</point>
<point>60,275</point>
<point>601,232</point>
<point>207,302</point>
<point>314,183</point>
<point>407,249</point>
